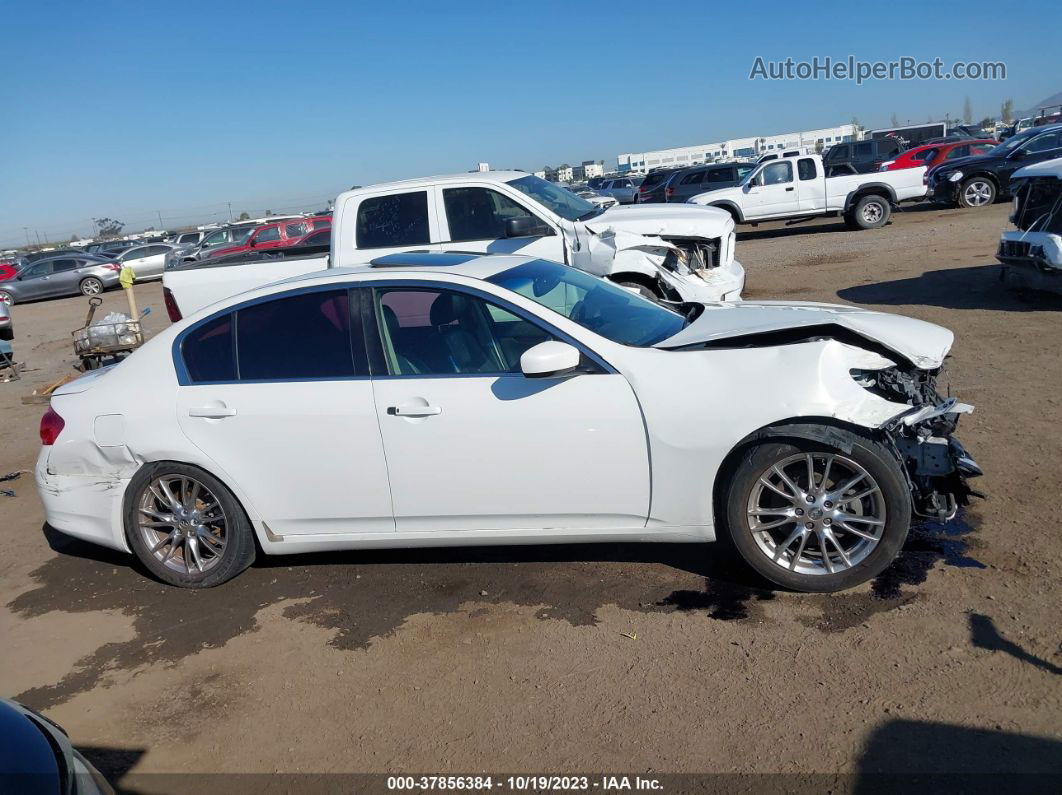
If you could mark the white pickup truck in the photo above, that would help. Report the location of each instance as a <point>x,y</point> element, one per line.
<point>668,252</point>
<point>797,188</point>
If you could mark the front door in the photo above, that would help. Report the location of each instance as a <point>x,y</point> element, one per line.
<point>476,219</point>
<point>293,424</point>
<point>773,191</point>
<point>473,444</point>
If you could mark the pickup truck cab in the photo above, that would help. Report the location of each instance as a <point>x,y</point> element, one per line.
<point>798,188</point>
<point>674,253</point>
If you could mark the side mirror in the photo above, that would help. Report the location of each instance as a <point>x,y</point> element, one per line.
<point>549,360</point>
<point>526,226</point>
<point>250,243</point>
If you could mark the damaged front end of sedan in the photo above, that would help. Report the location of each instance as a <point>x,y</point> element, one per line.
<point>936,464</point>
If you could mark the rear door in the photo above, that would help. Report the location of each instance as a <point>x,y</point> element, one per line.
<point>386,223</point>
<point>276,392</point>
<point>686,186</point>
<point>474,217</point>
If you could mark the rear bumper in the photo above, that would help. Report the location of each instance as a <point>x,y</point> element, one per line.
<point>88,507</point>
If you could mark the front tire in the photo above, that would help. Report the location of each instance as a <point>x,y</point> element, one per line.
<point>6,298</point>
<point>641,289</point>
<point>977,192</point>
<point>812,517</point>
<point>186,527</point>
<point>91,286</point>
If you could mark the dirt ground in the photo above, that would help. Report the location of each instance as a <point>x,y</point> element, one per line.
<point>619,659</point>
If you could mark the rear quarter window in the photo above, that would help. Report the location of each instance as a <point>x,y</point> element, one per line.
<point>208,351</point>
<point>400,219</point>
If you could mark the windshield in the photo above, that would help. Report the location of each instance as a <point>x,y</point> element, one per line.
<point>1012,143</point>
<point>595,304</point>
<point>563,202</point>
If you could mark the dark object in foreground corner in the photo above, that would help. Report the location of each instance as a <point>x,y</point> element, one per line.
<point>36,757</point>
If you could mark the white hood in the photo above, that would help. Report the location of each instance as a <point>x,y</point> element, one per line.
<point>654,220</point>
<point>701,199</point>
<point>924,344</point>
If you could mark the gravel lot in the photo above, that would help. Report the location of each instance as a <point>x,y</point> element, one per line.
<point>611,658</point>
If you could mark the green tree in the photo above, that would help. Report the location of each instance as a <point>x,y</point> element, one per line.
<point>818,147</point>
<point>1006,112</point>
<point>107,228</point>
<point>244,216</point>
<point>967,111</point>
<point>986,122</point>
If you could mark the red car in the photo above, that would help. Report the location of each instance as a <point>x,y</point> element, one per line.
<point>934,154</point>
<point>278,235</point>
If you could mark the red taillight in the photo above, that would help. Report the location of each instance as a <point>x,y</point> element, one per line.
<point>51,426</point>
<point>112,266</point>
<point>644,189</point>
<point>171,305</point>
<point>669,192</point>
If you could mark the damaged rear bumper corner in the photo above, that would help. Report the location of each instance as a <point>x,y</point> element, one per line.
<point>88,507</point>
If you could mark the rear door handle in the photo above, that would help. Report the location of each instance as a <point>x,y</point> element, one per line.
<point>212,412</point>
<point>414,411</point>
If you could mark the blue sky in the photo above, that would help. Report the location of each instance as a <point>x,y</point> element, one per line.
<point>124,109</point>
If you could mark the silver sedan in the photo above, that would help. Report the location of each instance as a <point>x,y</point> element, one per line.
<point>60,276</point>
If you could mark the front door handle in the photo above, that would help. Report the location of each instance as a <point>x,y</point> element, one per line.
<point>788,189</point>
<point>212,412</point>
<point>414,411</point>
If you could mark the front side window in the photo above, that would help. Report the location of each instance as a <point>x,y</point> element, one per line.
<point>958,151</point>
<point>216,237</point>
<point>400,219</point>
<point>595,304</point>
<point>479,213</point>
<point>267,235</point>
<point>444,332</point>
<point>1044,143</point>
<point>133,253</point>
<point>777,173</point>
<point>41,269</point>
<point>299,336</point>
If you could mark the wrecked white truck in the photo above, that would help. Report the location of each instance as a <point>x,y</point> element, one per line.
<point>1031,253</point>
<point>670,253</point>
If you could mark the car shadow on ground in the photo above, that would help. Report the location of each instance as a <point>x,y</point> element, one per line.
<point>923,756</point>
<point>804,228</point>
<point>364,595</point>
<point>971,287</point>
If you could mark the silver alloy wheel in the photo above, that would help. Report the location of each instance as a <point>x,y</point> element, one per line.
<point>978,193</point>
<point>91,287</point>
<point>816,513</point>
<point>872,212</point>
<point>182,523</point>
<point>5,298</point>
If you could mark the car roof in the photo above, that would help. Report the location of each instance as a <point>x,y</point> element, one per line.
<point>471,264</point>
<point>1045,168</point>
<point>502,176</point>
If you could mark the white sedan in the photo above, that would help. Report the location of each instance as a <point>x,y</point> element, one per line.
<point>437,399</point>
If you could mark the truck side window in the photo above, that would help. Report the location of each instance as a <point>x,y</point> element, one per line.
<point>400,219</point>
<point>478,213</point>
<point>806,168</point>
<point>778,172</point>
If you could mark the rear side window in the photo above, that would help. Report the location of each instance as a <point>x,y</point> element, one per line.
<point>864,149</point>
<point>400,219</point>
<point>720,175</point>
<point>61,265</point>
<point>806,168</point>
<point>208,351</point>
<point>838,152</point>
<point>300,336</point>
<point>693,179</point>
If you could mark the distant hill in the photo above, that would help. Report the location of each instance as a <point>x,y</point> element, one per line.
<point>1054,99</point>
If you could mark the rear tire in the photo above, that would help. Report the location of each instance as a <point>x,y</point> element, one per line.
<point>91,286</point>
<point>186,527</point>
<point>782,536</point>
<point>870,212</point>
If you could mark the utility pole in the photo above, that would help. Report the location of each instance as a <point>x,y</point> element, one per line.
<point>229,204</point>
<point>28,241</point>
<point>38,234</point>
<point>162,226</point>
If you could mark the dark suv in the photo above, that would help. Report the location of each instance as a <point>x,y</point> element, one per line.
<point>690,182</point>
<point>979,180</point>
<point>652,187</point>
<point>860,157</point>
